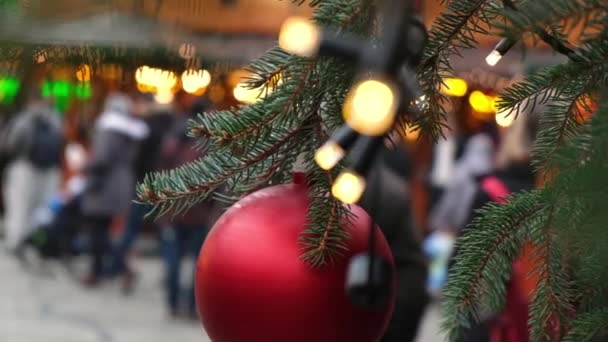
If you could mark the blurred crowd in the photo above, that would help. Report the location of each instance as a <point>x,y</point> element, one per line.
<point>63,199</point>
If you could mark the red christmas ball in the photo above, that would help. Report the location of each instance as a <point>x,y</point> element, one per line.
<point>252,284</point>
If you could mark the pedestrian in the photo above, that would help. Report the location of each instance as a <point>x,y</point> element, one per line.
<point>159,119</point>
<point>389,206</point>
<point>183,236</point>
<point>110,175</point>
<point>33,144</point>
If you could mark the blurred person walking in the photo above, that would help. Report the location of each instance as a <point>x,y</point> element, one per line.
<point>184,235</point>
<point>33,147</point>
<point>110,175</point>
<point>390,206</point>
<point>159,119</point>
<point>513,173</point>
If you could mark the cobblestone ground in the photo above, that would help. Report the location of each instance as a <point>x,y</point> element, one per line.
<point>45,303</point>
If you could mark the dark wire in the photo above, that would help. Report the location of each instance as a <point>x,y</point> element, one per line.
<point>374,180</point>
<point>545,36</point>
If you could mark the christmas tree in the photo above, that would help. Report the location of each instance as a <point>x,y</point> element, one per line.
<point>302,100</point>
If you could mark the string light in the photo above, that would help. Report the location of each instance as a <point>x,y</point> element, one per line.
<point>246,95</point>
<point>480,102</point>
<point>300,37</point>
<point>505,118</point>
<point>493,58</point>
<point>328,155</point>
<point>348,187</point>
<point>371,107</point>
<point>452,86</point>
<point>503,46</point>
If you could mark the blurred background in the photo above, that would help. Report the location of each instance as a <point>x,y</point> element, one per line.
<point>134,71</point>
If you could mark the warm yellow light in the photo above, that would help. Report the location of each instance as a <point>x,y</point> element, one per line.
<point>164,96</point>
<point>409,132</point>
<point>83,74</point>
<point>328,155</point>
<point>167,79</point>
<point>141,73</point>
<point>194,80</point>
<point>371,107</point>
<point>480,102</point>
<point>348,187</point>
<point>243,94</point>
<point>299,36</point>
<point>155,78</point>
<point>493,58</point>
<point>454,87</point>
<point>505,118</point>
<point>494,103</point>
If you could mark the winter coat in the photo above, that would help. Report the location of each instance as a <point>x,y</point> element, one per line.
<point>110,172</point>
<point>453,207</point>
<point>388,202</point>
<point>149,156</point>
<point>19,132</point>
<point>178,150</point>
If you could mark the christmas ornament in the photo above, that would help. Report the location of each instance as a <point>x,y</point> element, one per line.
<point>252,284</point>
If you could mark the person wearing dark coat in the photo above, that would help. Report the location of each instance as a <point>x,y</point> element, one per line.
<point>183,236</point>
<point>159,119</point>
<point>514,173</point>
<point>388,202</point>
<point>110,175</point>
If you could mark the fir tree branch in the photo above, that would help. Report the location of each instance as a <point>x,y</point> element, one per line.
<point>231,126</point>
<point>532,15</point>
<point>483,259</point>
<point>545,36</point>
<point>253,144</point>
<point>588,326</point>
<point>552,297</point>
<point>452,31</point>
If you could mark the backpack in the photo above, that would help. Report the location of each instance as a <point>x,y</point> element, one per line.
<point>45,149</point>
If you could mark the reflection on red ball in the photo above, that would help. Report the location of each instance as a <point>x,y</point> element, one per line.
<point>252,285</point>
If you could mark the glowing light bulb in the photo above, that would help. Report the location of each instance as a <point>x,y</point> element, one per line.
<point>246,95</point>
<point>328,155</point>
<point>348,187</point>
<point>299,36</point>
<point>493,58</point>
<point>83,74</point>
<point>371,107</point>
<point>194,80</point>
<point>163,96</point>
<point>480,102</point>
<point>505,118</point>
<point>454,87</point>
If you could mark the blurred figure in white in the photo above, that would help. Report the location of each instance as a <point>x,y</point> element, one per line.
<point>34,144</point>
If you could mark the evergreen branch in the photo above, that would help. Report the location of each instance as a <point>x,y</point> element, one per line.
<point>551,297</point>
<point>183,184</point>
<point>253,145</point>
<point>483,261</point>
<point>588,326</point>
<point>231,126</point>
<point>545,36</point>
<point>324,239</point>
<point>452,31</point>
<point>560,124</point>
<point>543,13</point>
